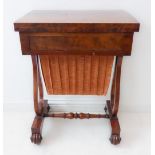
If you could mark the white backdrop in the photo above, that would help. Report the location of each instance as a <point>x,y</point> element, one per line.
<point>135,82</point>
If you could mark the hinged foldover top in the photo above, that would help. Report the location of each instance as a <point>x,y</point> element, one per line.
<point>77,21</point>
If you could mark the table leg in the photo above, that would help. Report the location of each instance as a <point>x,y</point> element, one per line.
<point>115,133</point>
<point>40,105</point>
<point>115,92</point>
<point>36,128</point>
<point>113,105</point>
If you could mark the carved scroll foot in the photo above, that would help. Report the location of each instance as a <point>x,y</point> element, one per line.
<point>115,139</point>
<point>115,135</point>
<point>36,136</point>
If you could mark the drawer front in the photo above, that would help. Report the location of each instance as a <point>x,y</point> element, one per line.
<point>111,43</point>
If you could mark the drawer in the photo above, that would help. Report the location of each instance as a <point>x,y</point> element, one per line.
<point>99,43</point>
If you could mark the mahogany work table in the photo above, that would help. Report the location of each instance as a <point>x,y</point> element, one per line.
<point>74,52</point>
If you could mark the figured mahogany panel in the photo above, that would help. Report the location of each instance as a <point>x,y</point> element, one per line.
<point>77,21</point>
<point>76,43</point>
<point>76,74</point>
<point>81,42</point>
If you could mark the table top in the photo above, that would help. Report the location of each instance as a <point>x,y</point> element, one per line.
<point>77,21</point>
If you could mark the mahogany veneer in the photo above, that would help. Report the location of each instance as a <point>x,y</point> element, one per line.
<point>75,52</point>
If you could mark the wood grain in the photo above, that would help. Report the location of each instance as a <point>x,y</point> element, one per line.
<point>77,21</point>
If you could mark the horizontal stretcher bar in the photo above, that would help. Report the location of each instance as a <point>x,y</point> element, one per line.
<point>77,115</point>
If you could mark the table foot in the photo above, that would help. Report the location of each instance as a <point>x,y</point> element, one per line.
<point>36,128</point>
<point>115,133</point>
<point>115,139</point>
<point>36,138</point>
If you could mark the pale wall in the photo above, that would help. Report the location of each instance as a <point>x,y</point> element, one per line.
<point>135,84</point>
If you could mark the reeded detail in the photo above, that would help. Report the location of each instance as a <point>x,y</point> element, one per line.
<point>76,74</point>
